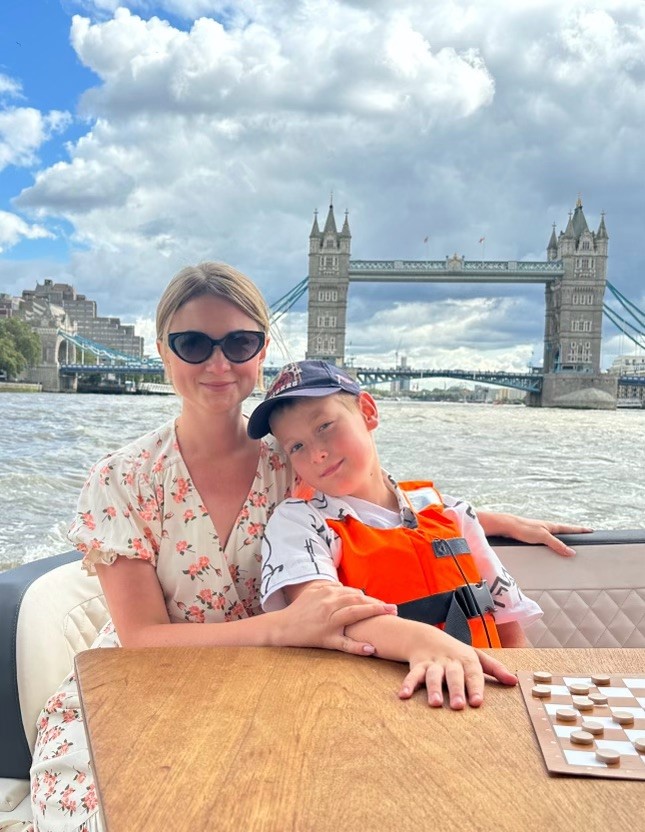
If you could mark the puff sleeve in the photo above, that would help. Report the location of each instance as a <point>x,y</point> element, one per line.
<point>119,511</point>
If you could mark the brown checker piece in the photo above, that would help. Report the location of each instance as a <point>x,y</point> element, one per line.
<point>554,748</point>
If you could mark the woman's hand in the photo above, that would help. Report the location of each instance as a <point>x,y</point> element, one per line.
<point>462,669</point>
<point>529,530</point>
<point>319,612</point>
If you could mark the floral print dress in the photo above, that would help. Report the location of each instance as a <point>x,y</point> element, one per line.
<point>140,502</point>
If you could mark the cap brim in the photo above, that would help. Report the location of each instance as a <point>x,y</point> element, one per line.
<point>259,426</point>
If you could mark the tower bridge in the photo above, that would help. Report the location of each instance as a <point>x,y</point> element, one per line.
<point>574,275</point>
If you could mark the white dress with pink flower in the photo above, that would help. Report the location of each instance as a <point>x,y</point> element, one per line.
<point>140,502</point>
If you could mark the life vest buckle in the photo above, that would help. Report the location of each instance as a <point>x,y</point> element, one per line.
<point>475,599</point>
<point>472,599</point>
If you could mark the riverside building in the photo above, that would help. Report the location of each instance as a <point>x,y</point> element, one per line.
<point>107,331</point>
<point>54,310</point>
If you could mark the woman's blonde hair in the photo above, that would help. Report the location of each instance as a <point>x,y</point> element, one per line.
<point>215,279</point>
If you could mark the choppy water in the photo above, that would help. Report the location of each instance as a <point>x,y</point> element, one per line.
<point>581,466</point>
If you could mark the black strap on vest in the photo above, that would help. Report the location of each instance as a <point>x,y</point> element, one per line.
<point>453,609</point>
<point>450,547</point>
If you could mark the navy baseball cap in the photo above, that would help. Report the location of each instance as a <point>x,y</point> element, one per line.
<point>299,380</point>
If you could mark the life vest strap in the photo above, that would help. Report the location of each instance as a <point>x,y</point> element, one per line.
<point>452,608</point>
<point>450,547</point>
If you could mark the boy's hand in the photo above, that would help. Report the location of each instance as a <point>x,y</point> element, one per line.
<point>462,669</point>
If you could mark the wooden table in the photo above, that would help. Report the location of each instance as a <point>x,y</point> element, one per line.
<point>290,740</point>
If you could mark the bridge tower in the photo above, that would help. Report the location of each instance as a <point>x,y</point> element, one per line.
<point>329,252</point>
<point>573,318</point>
<point>47,320</point>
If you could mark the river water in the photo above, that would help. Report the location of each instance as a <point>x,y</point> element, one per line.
<point>581,466</point>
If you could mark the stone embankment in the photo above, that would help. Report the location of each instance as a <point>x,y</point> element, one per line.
<point>19,387</point>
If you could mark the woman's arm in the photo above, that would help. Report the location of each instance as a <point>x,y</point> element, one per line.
<point>434,657</point>
<point>137,606</point>
<point>529,530</point>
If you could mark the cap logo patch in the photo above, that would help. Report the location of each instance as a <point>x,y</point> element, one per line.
<point>290,377</point>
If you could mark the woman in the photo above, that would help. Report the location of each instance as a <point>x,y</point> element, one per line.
<point>172,525</point>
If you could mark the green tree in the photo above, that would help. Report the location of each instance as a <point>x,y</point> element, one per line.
<point>20,346</point>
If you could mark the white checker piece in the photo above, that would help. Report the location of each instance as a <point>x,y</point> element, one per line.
<point>583,758</point>
<point>618,745</point>
<point>638,713</point>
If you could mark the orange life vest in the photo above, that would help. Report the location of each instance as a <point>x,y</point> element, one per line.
<point>429,566</point>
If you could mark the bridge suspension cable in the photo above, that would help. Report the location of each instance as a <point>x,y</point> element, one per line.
<point>281,306</point>
<point>615,318</point>
<point>620,323</point>
<point>627,304</point>
<point>636,329</point>
<point>101,351</point>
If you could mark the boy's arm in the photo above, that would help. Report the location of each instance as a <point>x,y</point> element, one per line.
<point>511,634</point>
<point>434,658</point>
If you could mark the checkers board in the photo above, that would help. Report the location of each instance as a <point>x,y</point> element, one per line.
<point>625,696</point>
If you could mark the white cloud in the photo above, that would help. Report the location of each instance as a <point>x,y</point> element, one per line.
<point>10,87</point>
<point>373,67</point>
<point>13,229</point>
<point>470,334</point>
<point>200,133</point>
<point>23,130</point>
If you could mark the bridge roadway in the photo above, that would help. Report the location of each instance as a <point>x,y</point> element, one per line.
<point>136,368</point>
<point>367,376</point>
<point>454,270</point>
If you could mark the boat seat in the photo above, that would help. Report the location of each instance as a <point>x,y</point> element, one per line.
<point>49,611</point>
<point>595,599</point>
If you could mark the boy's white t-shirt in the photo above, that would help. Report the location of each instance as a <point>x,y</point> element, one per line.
<point>299,546</point>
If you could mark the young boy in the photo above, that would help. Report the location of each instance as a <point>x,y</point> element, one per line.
<point>399,542</point>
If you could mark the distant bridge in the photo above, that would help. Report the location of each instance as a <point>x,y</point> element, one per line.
<point>528,382</point>
<point>108,360</point>
<point>142,368</point>
<point>371,376</point>
<point>631,381</point>
<point>116,363</point>
<point>367,376</point>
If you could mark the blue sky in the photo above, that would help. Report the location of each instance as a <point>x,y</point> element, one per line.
<point>136,138</point>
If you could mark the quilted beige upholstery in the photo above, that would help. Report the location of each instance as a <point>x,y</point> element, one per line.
<point>83,622</point>
<point>12,792</point>
<point>60,615</point>
<point>596,599</point>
